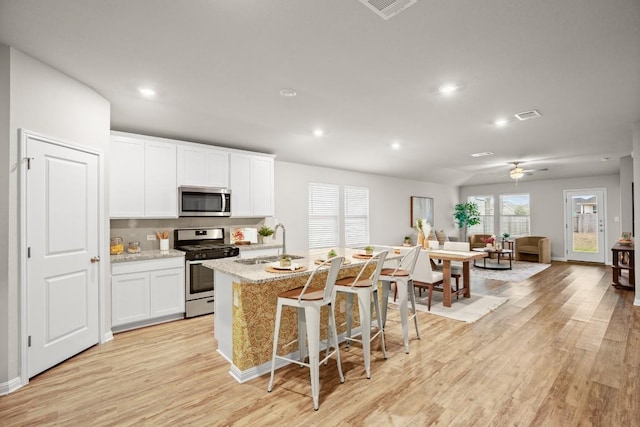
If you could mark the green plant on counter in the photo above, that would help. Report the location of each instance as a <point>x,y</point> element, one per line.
<point>368,249</point>
<point>265,231</point>
<point>285,261</point>
<point>332,254</point>
<point>506,235</point>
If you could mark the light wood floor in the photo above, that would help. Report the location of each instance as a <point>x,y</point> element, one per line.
<point>564,350</point>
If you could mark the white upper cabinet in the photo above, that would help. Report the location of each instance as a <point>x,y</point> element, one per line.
<point>202,166</point>
<point>145,173</point>
<point>160,188</point>
<point>142,178</point>
<point>261,186</point>
<point>126,178</point>
<point>251,183</point>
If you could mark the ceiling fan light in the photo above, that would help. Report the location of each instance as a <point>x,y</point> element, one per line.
<point>516,173</point>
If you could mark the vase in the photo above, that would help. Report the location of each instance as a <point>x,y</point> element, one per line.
<point>420,238</point>
<point>426,230</point>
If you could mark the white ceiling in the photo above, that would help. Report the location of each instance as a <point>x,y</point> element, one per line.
<point>218,67</point>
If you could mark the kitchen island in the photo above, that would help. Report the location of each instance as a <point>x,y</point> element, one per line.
<point>245,307</point>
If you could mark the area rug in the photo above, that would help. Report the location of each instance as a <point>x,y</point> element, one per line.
<point>467,310</point>
<point>521,270</point>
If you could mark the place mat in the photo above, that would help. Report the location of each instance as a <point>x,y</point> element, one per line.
<point>361,256</point>
<point>275,270</point>
<point>320,261</point>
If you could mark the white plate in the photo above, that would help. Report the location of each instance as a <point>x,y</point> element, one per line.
<point>277,266</point>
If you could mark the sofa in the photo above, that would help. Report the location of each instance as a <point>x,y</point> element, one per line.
<point>533,249</point>
<point>476,240</point>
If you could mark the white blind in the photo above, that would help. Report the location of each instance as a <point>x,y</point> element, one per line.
<point>356,216</point>
<point>323,215</point>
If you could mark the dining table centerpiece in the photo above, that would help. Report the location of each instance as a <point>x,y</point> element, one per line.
<point>424,229</point>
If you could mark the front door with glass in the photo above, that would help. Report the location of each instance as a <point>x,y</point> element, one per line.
<point>585,225</point>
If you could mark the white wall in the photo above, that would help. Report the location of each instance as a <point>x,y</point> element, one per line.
<point>547,205</point>
<point>388,202</point>
<point>626,181</point>
<point>636,199</point>
<point>4,211</point>
<point>48,102</point>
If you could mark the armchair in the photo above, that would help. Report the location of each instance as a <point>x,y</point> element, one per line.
<point>475,240</point>
<point>534,249</point>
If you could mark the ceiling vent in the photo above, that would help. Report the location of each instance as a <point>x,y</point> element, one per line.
<point>526,115</point>
<point>387,8</point>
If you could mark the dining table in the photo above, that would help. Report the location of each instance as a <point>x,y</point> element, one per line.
<point>465,257</point>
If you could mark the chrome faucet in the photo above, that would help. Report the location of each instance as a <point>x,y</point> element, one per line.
<point>284,239</point>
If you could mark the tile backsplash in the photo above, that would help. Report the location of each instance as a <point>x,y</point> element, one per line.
<point>138,229</point>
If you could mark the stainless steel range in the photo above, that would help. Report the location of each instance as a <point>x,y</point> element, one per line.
<point>201,244</point>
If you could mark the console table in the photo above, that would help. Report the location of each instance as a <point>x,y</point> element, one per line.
<point>622,267</point>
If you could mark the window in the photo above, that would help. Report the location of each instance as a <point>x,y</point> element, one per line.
<point>514,214</point>
<point>356,216</point>
<point>485,206</point>
<point>323,215</point>
<point>326,218</point>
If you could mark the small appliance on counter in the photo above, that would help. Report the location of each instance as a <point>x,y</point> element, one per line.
<point>200,245</point>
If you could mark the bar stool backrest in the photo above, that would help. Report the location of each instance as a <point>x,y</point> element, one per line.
<point>408,261</point>
<point>334,265</point>
<point>380,257</point>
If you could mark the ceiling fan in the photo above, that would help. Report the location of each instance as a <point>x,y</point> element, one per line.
<point>518,172</point>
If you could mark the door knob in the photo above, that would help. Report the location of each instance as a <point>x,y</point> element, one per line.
<point>95,259</point>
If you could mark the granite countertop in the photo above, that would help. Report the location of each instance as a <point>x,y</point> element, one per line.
<point>256,273</point>
<point>258,246</point>
<point>146,255</point>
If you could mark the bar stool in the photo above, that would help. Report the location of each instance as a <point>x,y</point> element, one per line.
<point>308,302</point>
<point>365,289</point>
<point>402,276</point>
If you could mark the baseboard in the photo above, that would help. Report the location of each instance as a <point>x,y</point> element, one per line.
<point>10,386</point>
<point>107,337</point>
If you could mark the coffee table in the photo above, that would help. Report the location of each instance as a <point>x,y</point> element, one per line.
<point>500,253</point>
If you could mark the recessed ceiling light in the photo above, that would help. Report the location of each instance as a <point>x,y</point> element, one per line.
<point>605,159</point>
<point>501,122</point>
<point>395,145</point>
<point>484,153</point>
<point>448,88</point>
<point>318,132</point>
<point>288,92</point>
<point>146,91</point>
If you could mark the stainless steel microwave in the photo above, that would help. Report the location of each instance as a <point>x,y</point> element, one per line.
<point>204,201</point>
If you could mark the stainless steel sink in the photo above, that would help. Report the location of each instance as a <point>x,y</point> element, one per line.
<point>264,259</point>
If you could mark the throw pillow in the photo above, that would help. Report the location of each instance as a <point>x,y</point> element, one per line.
<point>442,237</point>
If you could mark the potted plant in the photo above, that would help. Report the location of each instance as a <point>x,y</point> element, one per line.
<point>285,261</point>
<point>505,236</point>
<point>331,254</point>
<point>407,240</point>
<point>368,250</point>
<point>264,231</point>
<point>466,215</point>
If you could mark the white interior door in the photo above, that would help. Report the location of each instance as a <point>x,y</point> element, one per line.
<point>62,280</point>
<point>585,214</point>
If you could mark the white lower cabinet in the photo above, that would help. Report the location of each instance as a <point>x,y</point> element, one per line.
<point>146,292</point>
